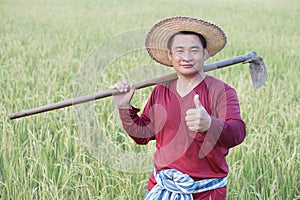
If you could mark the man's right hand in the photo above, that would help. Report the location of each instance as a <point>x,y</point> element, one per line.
<point>123,100</point>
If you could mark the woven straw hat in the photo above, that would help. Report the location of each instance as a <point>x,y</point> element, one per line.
<point>158,36</point>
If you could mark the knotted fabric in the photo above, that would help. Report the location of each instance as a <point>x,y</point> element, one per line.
<point>173,185</point>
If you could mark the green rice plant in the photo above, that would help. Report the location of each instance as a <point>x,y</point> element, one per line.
<point>82,152</point>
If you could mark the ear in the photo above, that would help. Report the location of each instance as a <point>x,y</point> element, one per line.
<point>206,55</point>
<point>170,55</point>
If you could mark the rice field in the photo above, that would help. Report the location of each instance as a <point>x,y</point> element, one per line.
<point>53,50</point>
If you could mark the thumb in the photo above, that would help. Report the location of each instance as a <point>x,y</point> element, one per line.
<point>197,101</point>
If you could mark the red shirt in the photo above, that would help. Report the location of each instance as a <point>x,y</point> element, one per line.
<point>198,154</point>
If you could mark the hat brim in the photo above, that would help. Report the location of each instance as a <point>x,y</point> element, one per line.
<point>158,36</point>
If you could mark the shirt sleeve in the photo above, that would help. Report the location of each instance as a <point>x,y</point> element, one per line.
<point>227,126</point>
<point>139,128</point>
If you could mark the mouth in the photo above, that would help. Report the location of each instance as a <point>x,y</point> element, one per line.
<point>187,66</point>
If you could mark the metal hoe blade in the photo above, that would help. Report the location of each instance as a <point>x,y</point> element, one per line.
<point>258,72</point>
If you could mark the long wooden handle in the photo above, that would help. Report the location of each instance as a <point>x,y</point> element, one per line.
<point>250,57</point>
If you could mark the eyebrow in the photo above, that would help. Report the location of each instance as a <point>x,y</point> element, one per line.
<point>192,47</point>
<point>178,47</point>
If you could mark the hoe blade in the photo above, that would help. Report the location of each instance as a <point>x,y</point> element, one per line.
<point>258,72</point>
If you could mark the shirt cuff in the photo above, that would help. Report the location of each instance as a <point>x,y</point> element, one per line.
<point>128,112</point>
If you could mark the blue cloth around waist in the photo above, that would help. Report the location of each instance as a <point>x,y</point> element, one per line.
<point>173,184</point>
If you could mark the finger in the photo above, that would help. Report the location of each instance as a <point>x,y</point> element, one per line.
<point>189,118</point>
<point>197,101</point>
<point>125,85</point>
<point>193,128</point>
<point>116,86</point>
<point>124,82</point>
<point>191,124</point>
<point>191,112</point>
<point>122,86</point>
<point>112,87</point>
<point>132,86</point>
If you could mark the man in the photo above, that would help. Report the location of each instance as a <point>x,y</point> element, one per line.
<point>194,119</point>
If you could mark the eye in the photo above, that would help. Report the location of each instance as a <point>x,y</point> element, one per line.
<point>194,51</point>
<point>179,51</point>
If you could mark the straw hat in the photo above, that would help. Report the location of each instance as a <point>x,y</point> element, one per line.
<point>158,36</point>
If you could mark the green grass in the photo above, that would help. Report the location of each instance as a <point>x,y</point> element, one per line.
<point>49,51</point>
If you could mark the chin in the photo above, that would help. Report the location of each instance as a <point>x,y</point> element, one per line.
<point>189,74</point>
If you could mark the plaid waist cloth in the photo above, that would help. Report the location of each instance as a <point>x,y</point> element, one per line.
<point>173,184</point>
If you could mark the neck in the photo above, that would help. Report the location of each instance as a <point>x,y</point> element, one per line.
<point>186,84</point>
<point>191,80</point>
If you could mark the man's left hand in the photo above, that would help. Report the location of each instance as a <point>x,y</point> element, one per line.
<point>197,119</point>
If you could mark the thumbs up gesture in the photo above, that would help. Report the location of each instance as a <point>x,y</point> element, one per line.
<point>197,119</point>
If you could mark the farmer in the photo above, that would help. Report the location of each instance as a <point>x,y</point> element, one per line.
<point>194,119</point>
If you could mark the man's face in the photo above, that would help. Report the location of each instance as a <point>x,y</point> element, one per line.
<point>187,54</point>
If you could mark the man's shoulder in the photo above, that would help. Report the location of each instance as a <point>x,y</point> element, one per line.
<point>164,85</point>
<point>212,79</point>
<point>215,82</point>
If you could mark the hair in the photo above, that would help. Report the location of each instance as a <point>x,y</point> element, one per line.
<point>201,38</point>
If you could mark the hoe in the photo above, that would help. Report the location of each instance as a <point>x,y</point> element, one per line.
<point>257,68</point>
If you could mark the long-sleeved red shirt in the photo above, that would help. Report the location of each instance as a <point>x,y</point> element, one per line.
<point>198,154</point>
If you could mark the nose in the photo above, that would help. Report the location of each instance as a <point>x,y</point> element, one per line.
<point>186,56</point>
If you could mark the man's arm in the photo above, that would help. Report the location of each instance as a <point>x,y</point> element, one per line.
<point>138,127</point>
<point>228,127</point>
